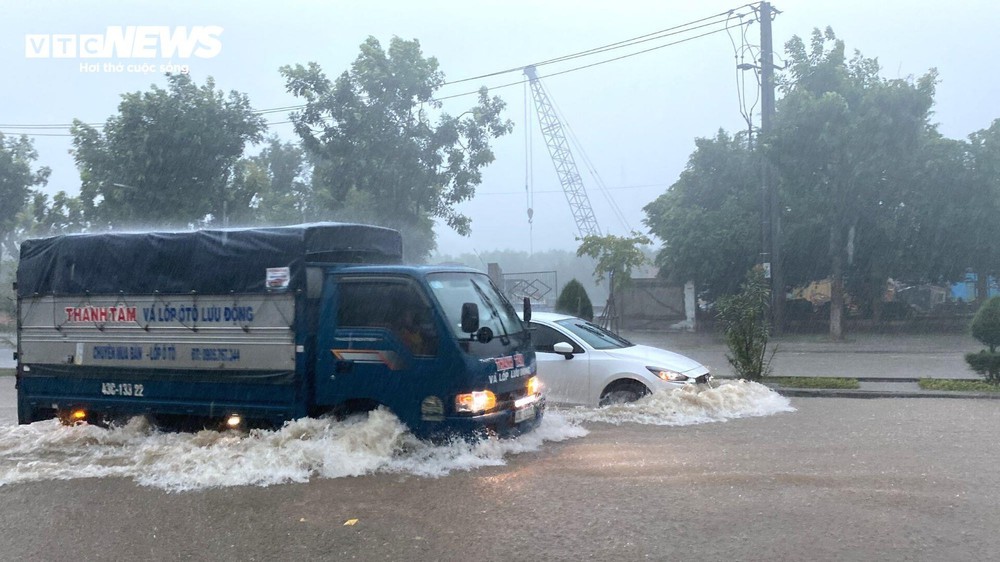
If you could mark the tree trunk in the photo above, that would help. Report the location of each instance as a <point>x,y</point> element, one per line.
<point>836,286</point>
<point>982,290</point>
<point>876,292</point>
<point>876,309</point>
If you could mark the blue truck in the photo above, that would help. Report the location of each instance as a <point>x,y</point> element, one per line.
<point>259,326</point>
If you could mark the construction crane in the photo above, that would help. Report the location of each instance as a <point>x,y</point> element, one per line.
<point>569,177</point>
<point>562,158</point>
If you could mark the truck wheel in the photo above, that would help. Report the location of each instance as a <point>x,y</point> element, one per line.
<point>623,391</point>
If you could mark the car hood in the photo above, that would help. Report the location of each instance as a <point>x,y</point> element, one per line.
<point>656,357</point>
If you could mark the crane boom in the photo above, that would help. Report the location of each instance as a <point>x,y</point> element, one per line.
<point>562,158</point>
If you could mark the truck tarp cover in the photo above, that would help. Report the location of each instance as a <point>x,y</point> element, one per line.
<point>203,261</point>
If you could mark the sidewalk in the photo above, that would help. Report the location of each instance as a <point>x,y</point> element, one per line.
<point>886,365</point>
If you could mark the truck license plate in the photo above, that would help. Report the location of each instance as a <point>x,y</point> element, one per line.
<point>524,414</point>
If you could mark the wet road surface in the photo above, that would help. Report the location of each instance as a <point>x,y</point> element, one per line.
<point>839,479</point>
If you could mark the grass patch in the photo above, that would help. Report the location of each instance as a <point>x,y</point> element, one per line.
<point>958,385</point>
<point>6,372</point>
<point>814,382</point>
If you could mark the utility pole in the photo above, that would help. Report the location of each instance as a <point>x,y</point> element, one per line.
<point>771,243</point>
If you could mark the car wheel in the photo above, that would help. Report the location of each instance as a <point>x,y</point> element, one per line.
<point>622,392</point>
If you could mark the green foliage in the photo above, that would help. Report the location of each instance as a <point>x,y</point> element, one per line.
<point>709,219</point>
<point>285,195</point>
<point>837,126</point>
<point>168,157</point>
<point>986,363</point>
<point>744,318</point>
<point>17,156</point>
<point>975,225</point>
<point>616,256</point>
<point>574,301</point>
<point>8,304</point>
<point>958,385</point>
<point>843,383</point>
<point>380,156</point>
<point>985,325</point>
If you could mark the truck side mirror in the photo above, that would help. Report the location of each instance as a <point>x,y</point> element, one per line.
<point>527,310</point>
<point>470,317</point>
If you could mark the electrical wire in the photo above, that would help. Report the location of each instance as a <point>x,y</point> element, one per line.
<point>675,30</point>
<point>739,54</point>
<point>582,67</point>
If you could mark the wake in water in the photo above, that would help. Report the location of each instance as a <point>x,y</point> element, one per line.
<point>692,405</point>
<point>302,449</point>
<point>326,448</point>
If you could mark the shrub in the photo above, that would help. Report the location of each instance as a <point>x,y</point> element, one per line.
<point>986,324</point>
<point>744,318</point>
<point>573,300</point>
<point>985,327</point>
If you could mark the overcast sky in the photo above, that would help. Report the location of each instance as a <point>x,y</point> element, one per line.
<point>635,118</point>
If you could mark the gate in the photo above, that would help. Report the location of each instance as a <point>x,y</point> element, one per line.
<point>539,286</point>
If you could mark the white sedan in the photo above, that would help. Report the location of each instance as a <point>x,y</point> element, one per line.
<point>581,363</point>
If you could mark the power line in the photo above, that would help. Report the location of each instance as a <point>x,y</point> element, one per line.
<point>610,188</point>
<point>668,32</point>
<point>574,69</point>
<point>677,29</point>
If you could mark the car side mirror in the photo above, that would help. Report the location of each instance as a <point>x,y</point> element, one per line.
<point>470,317</point>
<point>563,348</point>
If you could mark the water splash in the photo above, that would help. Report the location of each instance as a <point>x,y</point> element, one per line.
<point>325,448</point>
<point>692,405</point>
<point>301,450</point>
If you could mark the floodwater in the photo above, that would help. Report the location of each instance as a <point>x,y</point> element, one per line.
<point>326,448</point>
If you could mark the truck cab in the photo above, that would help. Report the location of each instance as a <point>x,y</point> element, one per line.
<point>396,336</point>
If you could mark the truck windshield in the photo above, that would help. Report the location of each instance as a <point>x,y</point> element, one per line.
<point>495,311</point>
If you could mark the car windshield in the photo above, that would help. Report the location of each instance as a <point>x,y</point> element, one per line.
<point>596,336</point>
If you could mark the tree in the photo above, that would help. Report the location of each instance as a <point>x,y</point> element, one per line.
<point>981,207</point>
<point>378,154</point>
<point>745,322</point>
<point>844,142</point>
<point>573,300</point>
<point>168,157</point>
<point>709,219</point>
<point>17,156</point>
<point>62,214</point>
<point>286,196</point>
<point>616,257</point>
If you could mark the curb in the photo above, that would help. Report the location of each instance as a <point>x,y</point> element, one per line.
<point>841,393</point>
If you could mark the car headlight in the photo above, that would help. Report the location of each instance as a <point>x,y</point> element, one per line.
<point>667,374</point>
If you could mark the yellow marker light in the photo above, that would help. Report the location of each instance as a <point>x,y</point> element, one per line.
<point>234,421</point>
<point>534,386</point>
<point>78,415</point>
<point>474,402</point>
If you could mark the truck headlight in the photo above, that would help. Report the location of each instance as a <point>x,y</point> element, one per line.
<point>667,374</point>
<point>534,386</point>
<point>475,402</point>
